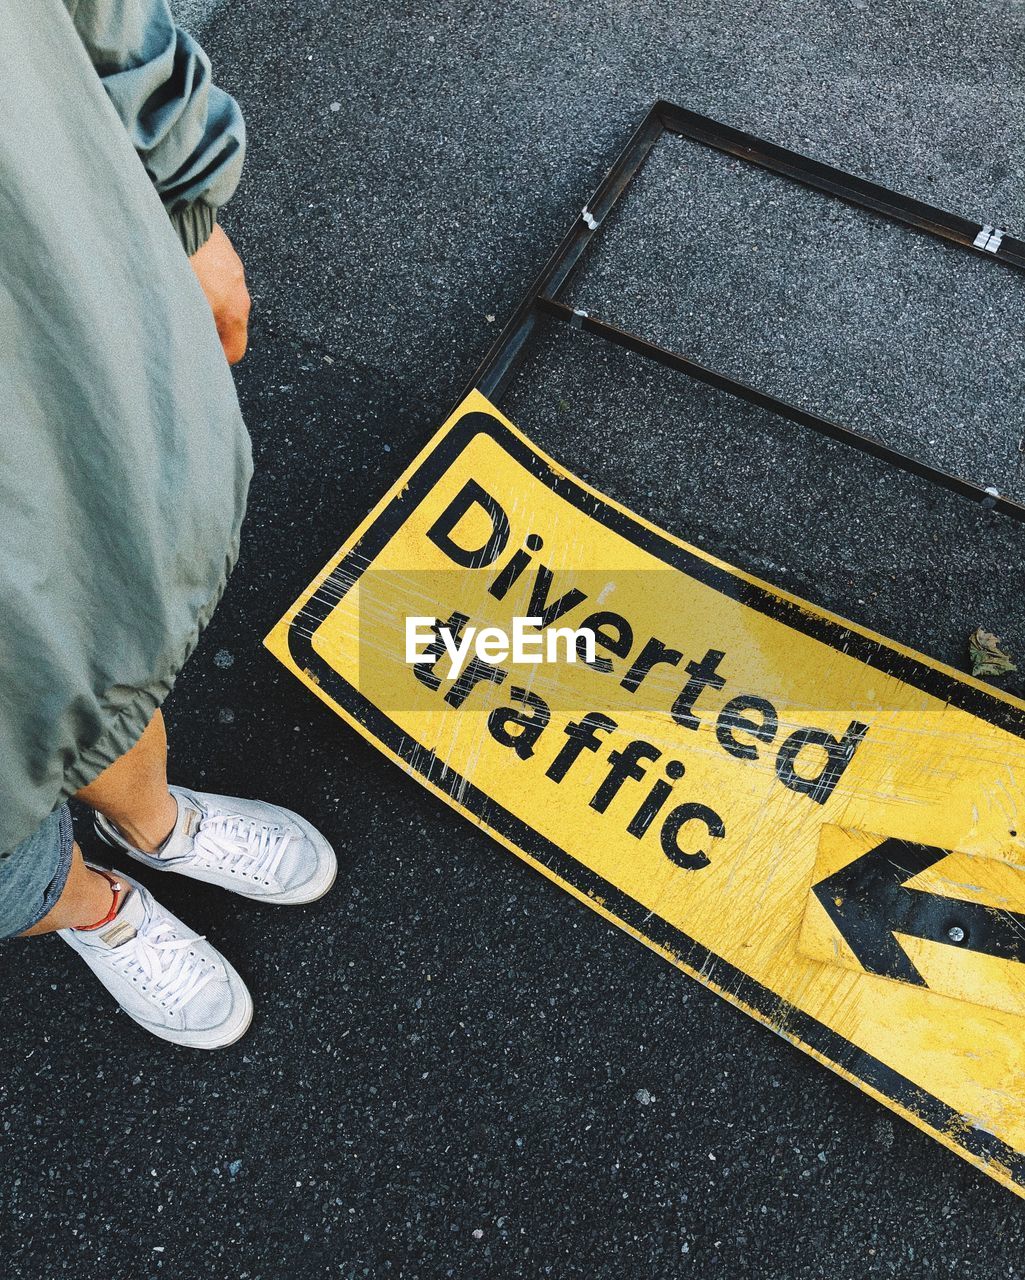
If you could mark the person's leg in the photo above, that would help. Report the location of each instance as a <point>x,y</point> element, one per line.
<point>246,846</point>
<point>133,793</point>
<point>87,898</point>
<point>162,974</point>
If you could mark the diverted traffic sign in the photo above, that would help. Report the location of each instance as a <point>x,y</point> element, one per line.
<point>820,825</point>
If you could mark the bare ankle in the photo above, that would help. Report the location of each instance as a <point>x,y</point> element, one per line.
<point>147,832</point>
<point>118,892</point>
<point>87,897</point>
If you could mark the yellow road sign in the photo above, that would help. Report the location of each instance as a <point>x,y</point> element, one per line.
<point>817,823</point>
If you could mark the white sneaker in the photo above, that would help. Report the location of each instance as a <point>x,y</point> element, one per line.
<point>169,979</point>
<point>259,850</point>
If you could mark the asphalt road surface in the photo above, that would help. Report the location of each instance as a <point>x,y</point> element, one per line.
<point>455,1069</point>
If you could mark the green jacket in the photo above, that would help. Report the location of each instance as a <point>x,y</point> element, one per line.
<point>124,462</point>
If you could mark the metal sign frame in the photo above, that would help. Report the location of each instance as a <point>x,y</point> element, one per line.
<point>542,299</point>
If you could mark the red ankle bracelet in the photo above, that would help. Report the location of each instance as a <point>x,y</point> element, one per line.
<point>116,887</point>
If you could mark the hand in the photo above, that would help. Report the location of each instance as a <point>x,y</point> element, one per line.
<point>222,277</point>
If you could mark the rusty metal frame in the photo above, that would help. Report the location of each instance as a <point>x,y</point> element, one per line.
<point>542,300</point>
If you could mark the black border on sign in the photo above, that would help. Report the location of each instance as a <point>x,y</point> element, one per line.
<point>420,759</point>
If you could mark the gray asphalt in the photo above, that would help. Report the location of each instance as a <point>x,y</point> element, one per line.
<point>455,1069</point>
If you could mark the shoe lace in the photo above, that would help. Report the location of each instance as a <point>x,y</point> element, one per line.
<point>165,964</point>
<point>252,849</point>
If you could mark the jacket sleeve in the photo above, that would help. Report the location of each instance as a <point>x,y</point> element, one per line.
<point>188,133</point>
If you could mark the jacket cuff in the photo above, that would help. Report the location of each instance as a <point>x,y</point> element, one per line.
<point>194,225</point>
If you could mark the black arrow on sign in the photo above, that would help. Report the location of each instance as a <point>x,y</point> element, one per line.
<point>868,901</point>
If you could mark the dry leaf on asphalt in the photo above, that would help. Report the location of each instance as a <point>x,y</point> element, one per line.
<point>987,658</point>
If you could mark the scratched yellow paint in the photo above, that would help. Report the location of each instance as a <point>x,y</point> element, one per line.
<point>960,877</point>
<point>925,770</point>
